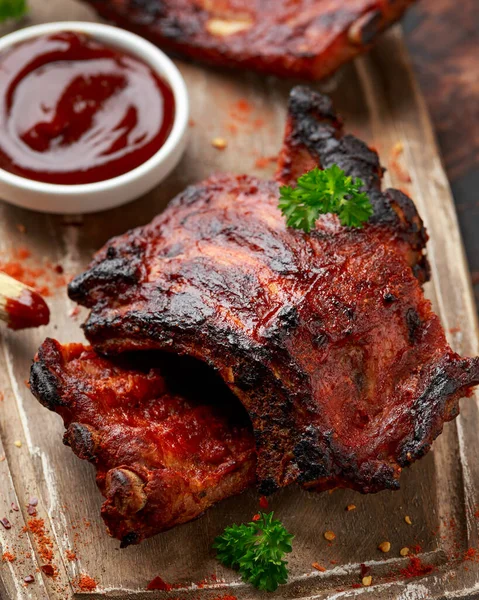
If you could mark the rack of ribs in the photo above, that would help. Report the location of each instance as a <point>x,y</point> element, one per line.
<point>325,338</point>
<point>303,38</point>
<point>164,438</point>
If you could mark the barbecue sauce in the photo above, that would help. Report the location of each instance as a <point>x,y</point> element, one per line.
<point>76,111</point>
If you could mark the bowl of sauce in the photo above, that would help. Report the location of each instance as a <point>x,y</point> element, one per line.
<point>91,117</point>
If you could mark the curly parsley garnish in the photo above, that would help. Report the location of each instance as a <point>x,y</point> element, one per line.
<point>319,192</point>
<point>12,9</point>
<point>256,549</point>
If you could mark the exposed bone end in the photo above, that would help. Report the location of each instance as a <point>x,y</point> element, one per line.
<point>365,29</point>
<point>82,439</point>
<point>224,27</point>
<point>126,490</point>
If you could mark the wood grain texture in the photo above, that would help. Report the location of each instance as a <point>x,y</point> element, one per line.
<point>380,102</point>
<point>443,40</point>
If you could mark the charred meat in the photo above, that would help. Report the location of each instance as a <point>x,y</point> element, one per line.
<point>326,338</point>
<point>164,449</point>
<point>303,38</point>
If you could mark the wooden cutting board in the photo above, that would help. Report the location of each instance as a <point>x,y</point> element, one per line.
<point>380,101</point>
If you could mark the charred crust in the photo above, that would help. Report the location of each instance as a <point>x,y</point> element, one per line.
<point>437,403</point>
<point>109,275</point>
<point>44,385</point>
<point>312,457</point>
<point>82,440</point>
<point>414,326</point>
<point>268,486</point>
<point>130,539</point>
<point>317,127</point>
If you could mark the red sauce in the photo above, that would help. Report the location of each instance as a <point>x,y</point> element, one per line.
<point>76,111</point>
<point>27,310</point>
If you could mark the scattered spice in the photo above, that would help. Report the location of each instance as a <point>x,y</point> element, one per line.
<point>416,568</point>
<point>350,507</point>
<point>158,584</point>
<point>87,583</point>
<point>219,143</point>
<point>366,581</point>
<point>29,579</point>
<point>318,567</point>
<point>71,556</point>
<point>384,546</point>
<point>329,535</point>
<point>191,123</point>
<point>404,551</point>
<point>264,161</point>
<point>471,554</point>
<point>395,164</point>
<point>17,443</point>
<point>256,517</point>
<point>2,457</point>
<point>6,523</point>
<point>48,570</point>
<point>365,570</point>
<point>43,541</point>
<point>263,502</point>
<point>408,520</point>
<point>8,557</point>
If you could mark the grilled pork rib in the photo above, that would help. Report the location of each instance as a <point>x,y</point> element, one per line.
<point>164,451</point>
<point>303,38</point>
<point>325,338</point>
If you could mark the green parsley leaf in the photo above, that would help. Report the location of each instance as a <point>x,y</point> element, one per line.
<point>324,191</point>
<point>256,550</point>
<point>12,9</point>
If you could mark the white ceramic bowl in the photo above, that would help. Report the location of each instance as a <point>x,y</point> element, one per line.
<point>92,197</point>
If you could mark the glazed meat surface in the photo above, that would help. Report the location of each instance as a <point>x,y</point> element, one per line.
<point>326,338</point>
<point>300,38</point>
<point>164,439</point>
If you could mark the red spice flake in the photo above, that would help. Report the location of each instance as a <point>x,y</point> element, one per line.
<point>227,597</point>
<point>58,269</point>
<point>318,567</point>
<point>71,556</point>
<point>416,568</point>
<point>415,549</point>
<point>44,543</point>
<point>8,557</point>
<point>158,584</point>
<point>48,570</point>
<point>263,502</point>
<point>264,161</point>
<point>256,517</point>
<point>23,253</point>
<point>6,523</point>
<point>454,330</point>
<point>471,554</point>
<point>365,570</point>
<point>258,123</point>
<point>29,579</point>
<point>87,583</point>
<point>243,105</point>
<point>356,586</point>
<point>2,397</point>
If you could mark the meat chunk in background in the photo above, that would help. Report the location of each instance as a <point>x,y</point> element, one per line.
<point>164,438</point>
<point>290,38</point>
<point>326,338</point>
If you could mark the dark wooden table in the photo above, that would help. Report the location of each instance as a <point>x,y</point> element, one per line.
<point>443,40</point>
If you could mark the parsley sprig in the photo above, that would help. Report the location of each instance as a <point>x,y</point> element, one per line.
<point>325,191</point>
<point>12,9</point>
<point>256,549</point>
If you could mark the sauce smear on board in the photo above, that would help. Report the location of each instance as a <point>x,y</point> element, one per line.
<point>75,111</point>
